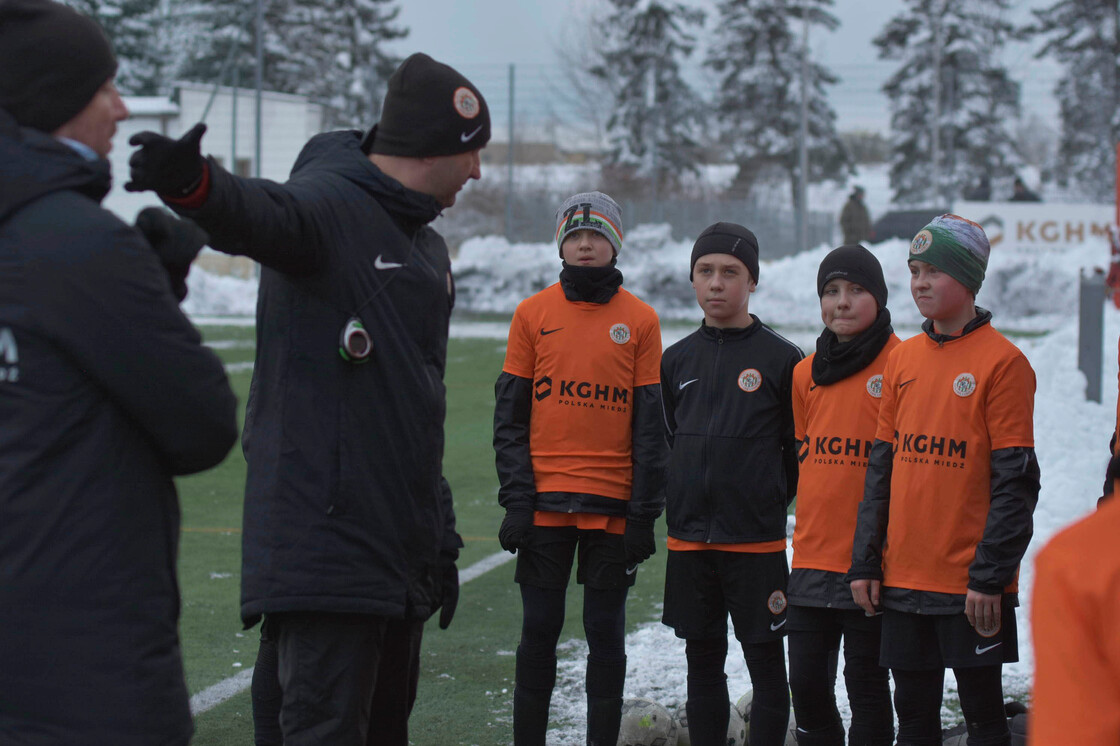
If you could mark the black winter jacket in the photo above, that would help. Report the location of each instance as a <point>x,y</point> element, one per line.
<point>346,509</point>
<point>729,415</point>
<point>105,394</point>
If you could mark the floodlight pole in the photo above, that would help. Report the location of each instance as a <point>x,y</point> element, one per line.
<point>803,165</point>
<point>260,84</point>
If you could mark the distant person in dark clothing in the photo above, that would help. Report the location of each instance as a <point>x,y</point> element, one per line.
<point>1022,194</point>
<point>106,393</point>
<point>349,538</point>
<point>982,192</point>
<point>855,220</point>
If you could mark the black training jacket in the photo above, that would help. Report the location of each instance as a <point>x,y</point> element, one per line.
<point>729,416</point>
<point>346,509</point>
<point>105,393</point>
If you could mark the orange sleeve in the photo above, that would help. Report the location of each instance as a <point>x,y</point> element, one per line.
<point>521,358</point>
<point>1010,405</point>
<point>1076,696</point>
<point>801,378</point>
<point>886,427</point>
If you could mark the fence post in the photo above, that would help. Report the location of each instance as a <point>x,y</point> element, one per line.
<point>1091,332</point>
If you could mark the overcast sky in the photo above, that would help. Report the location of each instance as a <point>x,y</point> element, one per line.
<point>483,37</point>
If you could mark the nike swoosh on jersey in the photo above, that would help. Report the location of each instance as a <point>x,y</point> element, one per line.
<point>380,263</point>
<point>546,332</point>
<point>685,383</point>
<point>776,627</point>
<point>811,388</point>
<point>903,383</point>
<point>467,138</point>
<point>981,651</point>
<point>631,570</point>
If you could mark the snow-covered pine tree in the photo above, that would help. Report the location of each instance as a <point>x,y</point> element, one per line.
<point>756,53</point>
<point>134,28</point>
<point>656,114</point>
<point>949,81</point>
<point>328,50</point>
<point>1085,36</point>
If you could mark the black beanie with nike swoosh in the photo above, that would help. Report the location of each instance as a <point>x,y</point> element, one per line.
<point>430,110</point>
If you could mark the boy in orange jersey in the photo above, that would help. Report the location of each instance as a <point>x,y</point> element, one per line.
<point>732,474</point>
<point>952,482</point>
<point>1074,608</point>
<point>836,394</point>
<point>581,456</point>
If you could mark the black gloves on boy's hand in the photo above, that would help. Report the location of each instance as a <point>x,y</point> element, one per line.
<point>638,540</point>
<point>515,527</point>
<point>450,591</point>
<point>172,168</point>
<point>176,242</point>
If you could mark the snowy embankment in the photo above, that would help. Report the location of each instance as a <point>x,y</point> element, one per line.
<point>1035,293</point>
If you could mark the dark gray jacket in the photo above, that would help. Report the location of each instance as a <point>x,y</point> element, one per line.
<point>105,394</point>
<point>346,509</point>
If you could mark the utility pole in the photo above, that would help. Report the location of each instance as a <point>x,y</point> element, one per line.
<point>803,164</point>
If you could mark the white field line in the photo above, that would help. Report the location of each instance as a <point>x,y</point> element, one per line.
<point>214,695</point>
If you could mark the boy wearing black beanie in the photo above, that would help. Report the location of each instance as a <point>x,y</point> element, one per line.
<point>836,394</point>
<point>732,474</point>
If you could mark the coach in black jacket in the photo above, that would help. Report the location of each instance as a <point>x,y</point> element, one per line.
<point>349,533</point>
<point>105,394</point>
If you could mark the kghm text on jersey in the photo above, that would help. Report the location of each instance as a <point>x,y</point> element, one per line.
<point>931,449</point>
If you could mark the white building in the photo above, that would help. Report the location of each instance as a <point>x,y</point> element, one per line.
<point>287,123</point>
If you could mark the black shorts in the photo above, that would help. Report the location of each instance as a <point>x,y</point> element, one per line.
<point>835,621</point>
<point>919,642</point>
<point>702,587</point>
<point>545,559</point>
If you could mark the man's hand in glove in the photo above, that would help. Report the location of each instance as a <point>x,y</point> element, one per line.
<point>638,540</point>
<point>515,527</point>
<point>450,591</point>
<point>176,242</point>
<point>171,168</point>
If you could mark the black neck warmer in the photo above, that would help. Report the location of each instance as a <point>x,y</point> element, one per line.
<point>590,284</point>
<point>837,360</point>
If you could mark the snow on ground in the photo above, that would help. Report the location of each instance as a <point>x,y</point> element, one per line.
<point>1026,293</point>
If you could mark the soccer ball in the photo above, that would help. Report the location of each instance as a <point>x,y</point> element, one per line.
<point>736,727</point>
<point>646,723</point>
<point>744,708</point>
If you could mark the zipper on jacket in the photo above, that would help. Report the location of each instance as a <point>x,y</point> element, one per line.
<point>713,391</point>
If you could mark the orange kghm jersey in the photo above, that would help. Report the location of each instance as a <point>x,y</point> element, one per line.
<point>1074,613</point>
<point>835,427</point>
<point>584,359</point>
<point>946,407</point>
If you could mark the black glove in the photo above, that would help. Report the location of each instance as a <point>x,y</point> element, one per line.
<point>176,242</point>
<point>638,540</point>
<point>515,527</point>
<point>165,166</point>
<point>450,591</point>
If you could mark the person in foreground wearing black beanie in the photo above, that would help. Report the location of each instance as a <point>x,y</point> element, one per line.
<point>106,394</point>
<point>732,474</point>
<point>349,540</point>
<point>836,395</point>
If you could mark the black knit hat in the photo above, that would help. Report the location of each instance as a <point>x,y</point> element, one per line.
<point>429,110</point>
<point>727,238</point>
<point>52,61</point>
<point>855,264</point>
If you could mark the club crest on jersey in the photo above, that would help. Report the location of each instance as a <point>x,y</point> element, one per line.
<point>620,334</point>
<point>964,385</point>
<point>875,386</point>
<point>921,242</point>
<point>750,379</point>
<point>465,102</point>
<point>776,603</point>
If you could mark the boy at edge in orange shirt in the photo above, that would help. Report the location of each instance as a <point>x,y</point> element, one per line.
<point>952,482</point>
<point>580,454</point>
